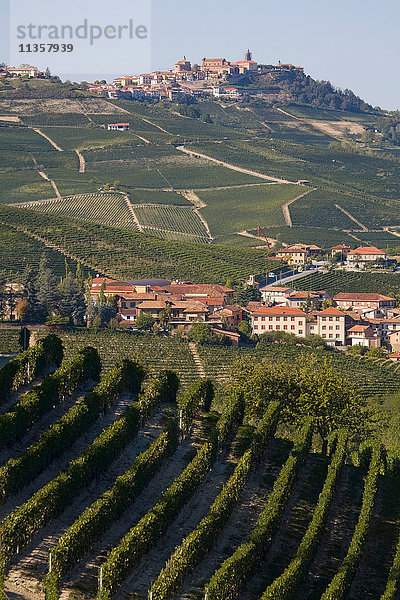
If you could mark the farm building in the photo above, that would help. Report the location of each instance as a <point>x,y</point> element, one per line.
<point>118,127</point>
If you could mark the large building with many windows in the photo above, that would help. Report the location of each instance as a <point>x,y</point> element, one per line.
<point>279,318</point>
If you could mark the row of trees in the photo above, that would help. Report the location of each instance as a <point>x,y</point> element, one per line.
<point>43,295</point>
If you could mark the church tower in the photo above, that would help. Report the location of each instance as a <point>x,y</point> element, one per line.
<point>247,56</point>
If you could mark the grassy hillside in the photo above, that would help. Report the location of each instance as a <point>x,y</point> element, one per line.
<point>126,254</point>
<point>341,281</point>
<point>356,187</point>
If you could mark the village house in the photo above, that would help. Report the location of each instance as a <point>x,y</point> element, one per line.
<point>299,299</point>
<point>384,328</point>
<point>231,315</point>
<point>179,314</point>
<point>363,335</point>
<point>364,255</point>
<point>24,71</point>
<point>341,249</point>
<point>394,341</point>
<point>183,65</point>
<point>279,318</point>
<point>362,301</point>
<point>113,287</point>
<point>125,80</point>
<point>288,67</point>
<point>197,291</point>
<point>127,303</point>
<point>332,325</point>
<point>298,254</point>
<point>220,66</point>
<point>275,293</point>
<point>118,127</point>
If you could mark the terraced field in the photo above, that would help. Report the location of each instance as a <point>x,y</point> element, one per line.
<point>19,251</point>
<point>107,209</point>
<point>177,219</point>
<point>341,281</point>
<point>356,195</point>
<point>109,495</point>
<point>246,207</point>
<point>121,253</point>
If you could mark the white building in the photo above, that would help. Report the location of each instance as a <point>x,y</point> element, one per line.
<point>118,127</point>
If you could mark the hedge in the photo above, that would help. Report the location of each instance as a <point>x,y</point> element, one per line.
<point>19,471</point>
<point>199,395</point>
<point>51,500</point>
<point>196,545</point>
<point>101,514</point>
<point>285,586</point>
<point>53,389</point>
<point>341,582</point>
<point>227,581</point>
<point>124,557</point>
<point>28,365</point>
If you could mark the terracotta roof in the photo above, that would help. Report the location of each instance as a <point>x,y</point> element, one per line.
<point>213,301</point>
<point>331,311</point>
<point>291,250</point>
<point>137,296</point>
<point>360,296</point>
<point>340,247</point>
<point>359,328</point>
<point>394,355</point>
<point>230,334</point>
<point>150,304</point>
<point>197,289</point>
<point>274,288</point>
<point>280,310</point>
<point>252,305</point>
<point>353,315</point>
<point>195,308</point>
<point>300,294</point>
<point>99,280</point>
<point>367,250</point>
<point>233,307</point>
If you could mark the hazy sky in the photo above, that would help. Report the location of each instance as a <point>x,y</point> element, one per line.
<point>352,43</point>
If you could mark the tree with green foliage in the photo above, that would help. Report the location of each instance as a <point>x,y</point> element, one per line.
<point>244,328</point>
<point>47,287</point>
<point>35,312</point>
<point>72,300</point>
<point>80,278</point>
<point>376,353</point>
<point>201,333</point>
<point>331,400</point>
<point>246,294</point>
<point>145,322</point>
<point>100,314</point>
<point>307,389</point>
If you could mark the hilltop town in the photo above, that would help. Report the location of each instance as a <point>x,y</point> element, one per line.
<point>183,81</point>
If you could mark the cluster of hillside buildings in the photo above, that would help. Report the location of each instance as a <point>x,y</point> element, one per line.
<point>301,254</point>
<point>23,71</point>
<point>367,319</point>
<point>184,79</point>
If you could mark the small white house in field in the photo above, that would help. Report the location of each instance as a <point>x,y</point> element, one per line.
<point>118,127</point>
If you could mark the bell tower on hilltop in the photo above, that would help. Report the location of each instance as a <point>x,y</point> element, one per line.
<point>247,56</point>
